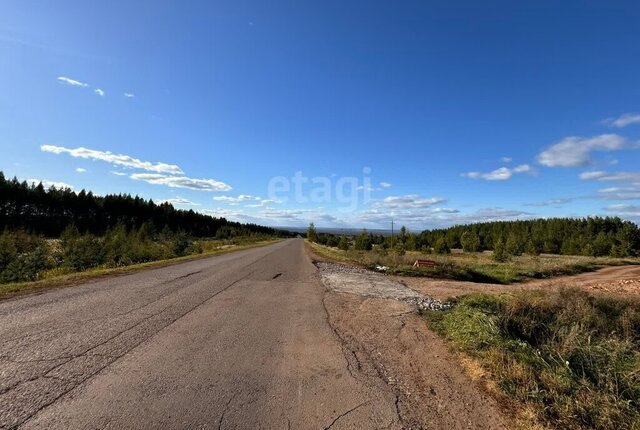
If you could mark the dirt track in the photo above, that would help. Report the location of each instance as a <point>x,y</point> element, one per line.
<point>624,280</point>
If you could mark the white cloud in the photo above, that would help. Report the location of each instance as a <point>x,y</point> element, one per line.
<point>230,215</point>
<point>596,174</point>
<point>116,159</point>
<point>72,82</point>
<point>238,199</point>
<point>620,193</point>
<point>118,173</point>
<point>385,185</point>
<point>81,170</point>
<point>407,201</point>
<point>624,209</point>
<point>600,175</point>
<point>179,201</point>
<point>506,159</point>
<point>263,203</point>
<point>181,182</point>
<point>129,95</point>
<point>48,184</point>
<point>552,202</point>
<point>575,151</point>
<point>444,211</point>
<point>285,214</point>
<point>623,120</point>
<point>99,92</point>
<point>500,174</point>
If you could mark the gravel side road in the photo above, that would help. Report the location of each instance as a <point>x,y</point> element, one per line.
<point>235,341</point>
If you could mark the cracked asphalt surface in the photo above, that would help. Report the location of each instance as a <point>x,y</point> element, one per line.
<point>240,340</point>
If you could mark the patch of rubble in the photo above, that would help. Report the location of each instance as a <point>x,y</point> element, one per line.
<point>356,280</point>
<point>426,303</point>
<point>340,268</point>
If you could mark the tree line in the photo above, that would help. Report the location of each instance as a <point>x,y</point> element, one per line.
<point>54,231</point>
<point>48,212</point>
<point>592,236</point>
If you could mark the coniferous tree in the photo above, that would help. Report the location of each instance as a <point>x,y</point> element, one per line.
<point>500,252</point>
<point>312,235</point>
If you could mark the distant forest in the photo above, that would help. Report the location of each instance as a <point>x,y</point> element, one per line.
<point>597,236</point>
<point>593,236</point>
<point>49,212</point>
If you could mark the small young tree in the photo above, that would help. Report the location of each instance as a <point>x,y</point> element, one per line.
<point>531,248</point>
<point>399,248</point>
<point>343,243</point>
<point>363,241</point>
<point>500,252</point>
<point>412,243</point>
<point>601,245</point>
<point>441,247</point>
<point>312,235</point>
<point>470,241</point>
<point>514,245</point>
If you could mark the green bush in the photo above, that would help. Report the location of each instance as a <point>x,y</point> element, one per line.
<point>22,256</point>
<point>573,357</point>
<point>441,247</point>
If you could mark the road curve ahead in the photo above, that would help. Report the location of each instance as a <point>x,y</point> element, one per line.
<point>235,341</point>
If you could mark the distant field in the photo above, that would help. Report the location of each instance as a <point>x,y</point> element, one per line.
<point>475,267</point>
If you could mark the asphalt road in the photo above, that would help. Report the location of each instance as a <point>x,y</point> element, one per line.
<point>240,340</point>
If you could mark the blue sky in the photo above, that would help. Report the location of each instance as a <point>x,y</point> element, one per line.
<point>430,112</point>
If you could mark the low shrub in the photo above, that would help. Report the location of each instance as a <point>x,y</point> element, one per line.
<point>572,357</point>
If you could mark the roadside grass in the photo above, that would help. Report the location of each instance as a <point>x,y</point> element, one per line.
<point>61,277</point>
<point>566,359</point>
<point>474,267</point>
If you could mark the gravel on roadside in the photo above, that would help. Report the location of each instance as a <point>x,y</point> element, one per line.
<point>357,280</point>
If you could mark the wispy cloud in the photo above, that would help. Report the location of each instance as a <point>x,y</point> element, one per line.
<point>129,95</point>
<point>633,210</point>
<point>551,202</point>
<point>620,193</point>
<point>179,201</point>
<point>385,185</point>
<point>72,82</point>
<point>506,159</point>
<point>115,159</point>
<point>263,203</point>
<point>413,201</point>
<point>230,215</point>
<point>623,120</point>
<point>181,182</point>
<point>118,173</point>
<point>576,151</point>
<point>501,174</point>
<point>81,170</point>
<point>599,175</point>
<point>99,92</point>
<point>47,184</point>
<point>238,199</point>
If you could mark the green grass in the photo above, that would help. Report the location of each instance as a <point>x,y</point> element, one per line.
<point>474,267</point>
<point>62,278</point>
<point>571,357</point>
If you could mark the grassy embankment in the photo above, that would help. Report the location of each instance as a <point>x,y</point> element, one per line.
<point>63,277</point>
<point>475,267</point>
<point>564,359</point>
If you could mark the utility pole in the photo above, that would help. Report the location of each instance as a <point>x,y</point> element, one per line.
<point>391,234</point>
